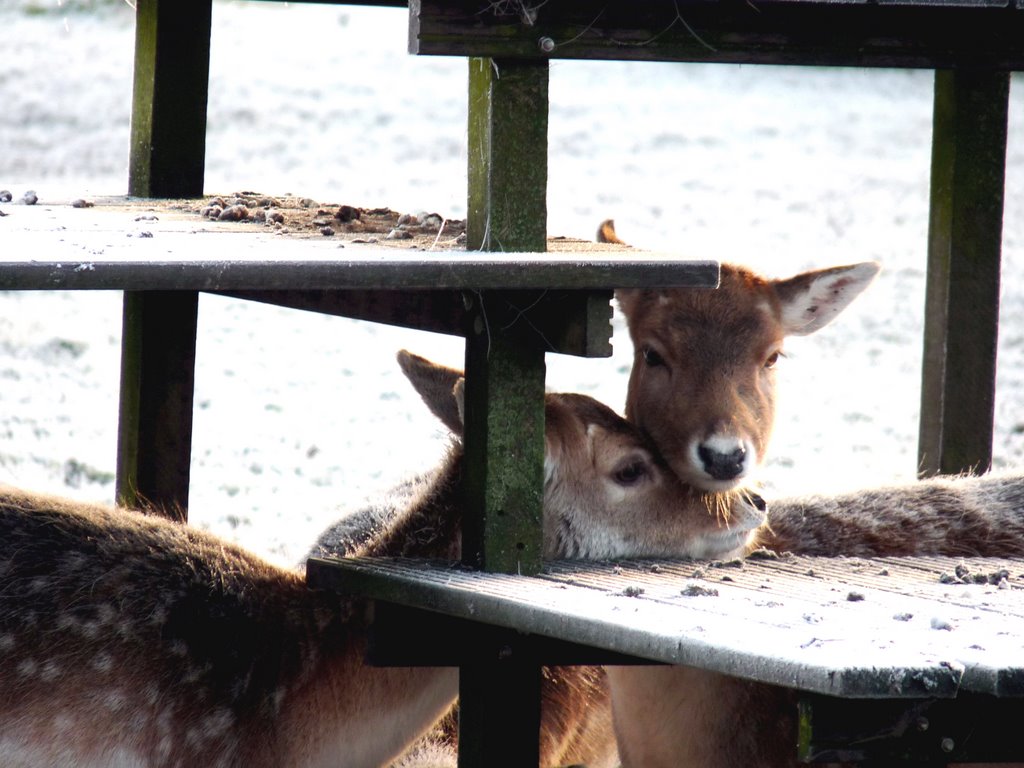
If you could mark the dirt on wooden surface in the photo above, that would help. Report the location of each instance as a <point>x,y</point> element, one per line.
<point>302,217</point>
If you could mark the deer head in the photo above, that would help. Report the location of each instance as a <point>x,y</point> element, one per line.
<point>703,379</point>
<point>607,493</point>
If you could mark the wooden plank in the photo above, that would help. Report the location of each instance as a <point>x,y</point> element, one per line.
<point>448,271</point>
<point>446,641</point>
<point>499,714</point>
<point>728,31</point>
<point>121,246</point>
<point>154,445</point>
<point>566,322</point>
<point>504,435</point>
<point>962,294</point>
<point>507,155</point>
<point>971,728</point>
<point>887,628</point>
<point>168,131</point>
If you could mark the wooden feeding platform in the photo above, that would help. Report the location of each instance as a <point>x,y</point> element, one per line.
<point>865,673</point>
<point>875,646</point>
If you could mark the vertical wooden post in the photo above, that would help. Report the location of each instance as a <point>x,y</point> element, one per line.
<point>508,155</point>
<point>962,294</point>
<point>504,439</point>
<point>500,726</point>
<point>172,67</point>
<point>504,418</point>
<point>154,445</point>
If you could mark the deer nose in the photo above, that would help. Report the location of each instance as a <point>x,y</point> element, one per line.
<point>722,465</point>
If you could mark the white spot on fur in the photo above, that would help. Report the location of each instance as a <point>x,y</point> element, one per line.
<point>177,648</point>
<point>105,613</point>
<point>74,560</point>
<point>159,616</point>
<point>219,722</point>
<point>49,672</point>
<point>115,700</point>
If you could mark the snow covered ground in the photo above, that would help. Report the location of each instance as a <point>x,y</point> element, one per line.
<point>299,416</point>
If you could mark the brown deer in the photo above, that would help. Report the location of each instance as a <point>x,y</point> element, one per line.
<point>687,717</point>
<point>132,640</point>
<point>702,387</point>
<point>702,384</point>
<point>682,717</point>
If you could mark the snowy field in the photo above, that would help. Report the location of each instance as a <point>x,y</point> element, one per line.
<point>298,417</point>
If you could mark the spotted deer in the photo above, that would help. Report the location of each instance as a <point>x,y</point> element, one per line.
<point>129,640</point>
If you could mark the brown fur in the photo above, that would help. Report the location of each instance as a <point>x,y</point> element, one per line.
<point>955,516</point>
<point>703,381</point>
<point>132,637</point>
<point>606,233</point>
<point>170,646</point>
<point>697,711</point>
<point>590,514</point>
<point>709,347</point>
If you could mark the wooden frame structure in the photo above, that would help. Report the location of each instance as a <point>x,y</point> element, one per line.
<point>973,45</point>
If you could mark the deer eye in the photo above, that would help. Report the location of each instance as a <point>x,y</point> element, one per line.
<point>631,472</point>
<point>772,359</point>
<point>651,357</point>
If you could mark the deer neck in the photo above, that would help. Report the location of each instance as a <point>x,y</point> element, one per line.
<point>390,705</point>
<point>432,525</point>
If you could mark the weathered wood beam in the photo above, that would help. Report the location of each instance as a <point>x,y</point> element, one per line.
<point>154,444</point>
<point>732,31</point>
<point>499,714</point>
<point>507,155</point>
<point>962,294</point>
<point>172,66</point>
<point>567,322</point>
<point>504,437</point>
<point>967,729</point>
<point>371,3</point>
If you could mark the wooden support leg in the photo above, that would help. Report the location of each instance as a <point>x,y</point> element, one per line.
<point>508,155</point>
<point>499,708</point>
<point>970,728</point>
<point>504,415</point>
<point>504,437</point>
<point>962,298</point>
<point>499,715</point>
<point>172,66</point>
<point>158,350</point>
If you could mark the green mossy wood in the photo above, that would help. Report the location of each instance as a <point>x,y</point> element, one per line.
<point>915,33</point>
<point>508,155</point>
<point>504,436</point>
<point>964,246</point>
<point>168,131</point>
<point>154,444</point>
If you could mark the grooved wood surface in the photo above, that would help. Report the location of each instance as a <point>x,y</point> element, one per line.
<point>892,627</point>
<point>153,245</point>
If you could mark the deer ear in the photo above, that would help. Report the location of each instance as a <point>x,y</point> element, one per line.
<point>632,300</point>
<point>811,300</point>
<point>437,385</point>
<point>627,298</point>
